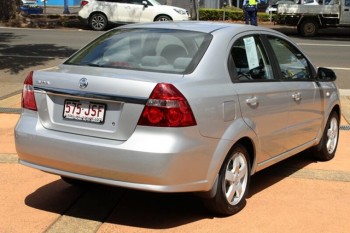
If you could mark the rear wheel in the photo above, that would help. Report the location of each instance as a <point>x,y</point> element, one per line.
<point>308,28</point>
<point>233,183</point>
<point>98,22</point>
<point>327,147</point>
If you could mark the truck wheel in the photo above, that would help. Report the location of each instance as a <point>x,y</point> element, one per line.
<point>308,28</point>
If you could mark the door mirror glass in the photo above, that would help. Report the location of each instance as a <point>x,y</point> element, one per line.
<point>325,74</point>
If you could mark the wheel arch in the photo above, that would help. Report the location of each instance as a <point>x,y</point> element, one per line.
<point>304,19</point>
<point>309,17</point>
<point>238,132</point>
<point>159,15</point>
<point>97,12</point>
<point>332,108</point>
<point>245,141</point>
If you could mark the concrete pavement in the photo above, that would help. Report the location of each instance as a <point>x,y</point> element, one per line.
<point>296,195</point>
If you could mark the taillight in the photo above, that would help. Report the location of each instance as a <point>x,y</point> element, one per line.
<point>83,3</point>
<point>167,107</point>
<point>28,99</point>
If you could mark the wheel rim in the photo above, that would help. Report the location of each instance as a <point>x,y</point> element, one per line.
<point>98,22</point>
<point>310,28</point>
<point>332,135</point>
<point>163,19</point>
<point>236,178</point>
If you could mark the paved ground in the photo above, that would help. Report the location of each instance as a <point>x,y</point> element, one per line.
<point>297,195</point>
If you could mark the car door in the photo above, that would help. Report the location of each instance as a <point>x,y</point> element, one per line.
<point>306,106</point>
<point>345,12</point>
<point>133,11</point>
<point>109,7</point>
<point>264,100</point>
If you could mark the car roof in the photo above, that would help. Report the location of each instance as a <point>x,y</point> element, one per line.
<point>198,26</point>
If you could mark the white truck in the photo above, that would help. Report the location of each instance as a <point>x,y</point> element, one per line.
<point>310,18</point>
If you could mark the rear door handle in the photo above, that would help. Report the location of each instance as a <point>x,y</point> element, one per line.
<point>252,101</point>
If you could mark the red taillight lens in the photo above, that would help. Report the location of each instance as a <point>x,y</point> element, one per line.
<point>28,99</point>
<point>167,107</point>
<point>83,3</point>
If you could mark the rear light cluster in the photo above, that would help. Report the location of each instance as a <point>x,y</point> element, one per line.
<point>83,3</point>
<point>167,107</point>
<point>28,98</point>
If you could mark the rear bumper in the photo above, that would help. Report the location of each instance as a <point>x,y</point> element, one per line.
<point>155,159</point>
<point>84,21</point>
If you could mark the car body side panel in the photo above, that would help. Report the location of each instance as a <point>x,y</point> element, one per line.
<point>268,116</point>
<point>306,114</point>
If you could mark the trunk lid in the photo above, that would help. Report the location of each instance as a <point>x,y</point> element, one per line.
<point>99,102</point>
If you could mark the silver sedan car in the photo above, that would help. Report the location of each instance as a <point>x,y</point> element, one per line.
<point>178,107</point>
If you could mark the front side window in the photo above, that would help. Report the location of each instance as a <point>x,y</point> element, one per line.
<point>250,61</point>
<point>160,50</point>
<point>293,64</point>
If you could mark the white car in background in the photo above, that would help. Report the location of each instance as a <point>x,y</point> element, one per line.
<point>98,13</point>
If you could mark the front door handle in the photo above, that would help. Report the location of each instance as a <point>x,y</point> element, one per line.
<point>252,101</point>
<point>296,96</point>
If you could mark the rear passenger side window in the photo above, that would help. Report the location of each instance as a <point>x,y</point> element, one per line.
<point>250,61</point>
<point>293,65</point>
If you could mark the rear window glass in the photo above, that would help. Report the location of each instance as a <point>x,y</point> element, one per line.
<point>159,50</point>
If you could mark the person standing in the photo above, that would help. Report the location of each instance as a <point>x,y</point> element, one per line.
<point>250,8</point>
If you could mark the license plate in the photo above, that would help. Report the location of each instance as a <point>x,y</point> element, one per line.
<point>84,111</point>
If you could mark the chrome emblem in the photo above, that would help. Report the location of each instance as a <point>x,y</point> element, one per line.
<point>83,83</point>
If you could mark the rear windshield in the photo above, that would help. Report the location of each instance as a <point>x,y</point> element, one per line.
<point>159,50</point>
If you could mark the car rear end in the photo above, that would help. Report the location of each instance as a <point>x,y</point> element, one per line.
<point>115,122</point>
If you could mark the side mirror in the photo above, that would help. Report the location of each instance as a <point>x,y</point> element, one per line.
<point>325,75</point>
<point>145,3</point>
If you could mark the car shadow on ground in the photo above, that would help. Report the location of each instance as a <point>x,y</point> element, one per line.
<point>144,209</point>
<point>276,173</point>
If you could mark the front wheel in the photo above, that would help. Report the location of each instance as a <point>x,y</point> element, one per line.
<point>233,183</point>
<point>327,147</point>
<point>163,18</point>
<point>308,28</point>
<point>98,22</point>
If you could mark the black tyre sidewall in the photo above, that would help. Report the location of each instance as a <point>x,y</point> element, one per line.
<point>301,29</point>
<point>219,203</point>
<point>98,15</point>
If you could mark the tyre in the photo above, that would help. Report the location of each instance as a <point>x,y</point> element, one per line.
<point>163,18</point>
<point>98,22</point>
<point>308,28</point>
<point>327,147</point>
<point>233,183</point>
